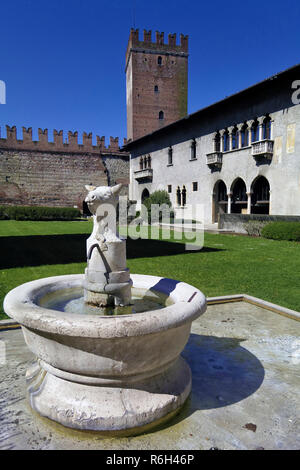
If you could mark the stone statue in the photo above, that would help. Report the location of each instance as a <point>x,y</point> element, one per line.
<point>107,280</point>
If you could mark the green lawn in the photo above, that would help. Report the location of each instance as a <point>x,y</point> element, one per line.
<point>228,264</point>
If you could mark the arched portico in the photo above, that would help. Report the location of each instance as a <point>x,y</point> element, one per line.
<point>239,198</point>
<point>219,200</point>
<point>260,196</point>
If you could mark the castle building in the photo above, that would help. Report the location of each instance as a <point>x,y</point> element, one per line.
<point>240,155</point>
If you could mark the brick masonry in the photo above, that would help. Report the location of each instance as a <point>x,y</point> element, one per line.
<point>144,73</point>
<point>55,173</point>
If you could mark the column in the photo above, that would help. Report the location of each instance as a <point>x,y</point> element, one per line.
<point>229,195</point>
<point>249,202</point>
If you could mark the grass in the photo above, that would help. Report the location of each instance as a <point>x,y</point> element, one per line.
<point>228,264</point>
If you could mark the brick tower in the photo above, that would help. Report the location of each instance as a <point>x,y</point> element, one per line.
<point>156,80</point>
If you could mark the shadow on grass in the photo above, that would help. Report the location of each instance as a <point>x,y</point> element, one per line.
<point>39,250</point>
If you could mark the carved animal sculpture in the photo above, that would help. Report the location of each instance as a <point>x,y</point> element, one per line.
<point>102,202</point>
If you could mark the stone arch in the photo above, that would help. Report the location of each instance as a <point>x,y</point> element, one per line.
<point>145,194</point>
<point>239,196</point>
<point>260,195</point>
<point>219,200</point>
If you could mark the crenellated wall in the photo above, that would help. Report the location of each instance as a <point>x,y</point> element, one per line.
<point>43,144</point>
<point>55,173</point>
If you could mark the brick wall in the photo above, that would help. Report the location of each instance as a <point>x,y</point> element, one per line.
<point>55,173</point>
<point>153,87</point>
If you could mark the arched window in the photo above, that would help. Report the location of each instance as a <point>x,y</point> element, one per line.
<point>183,192</point>
<point>178,196</point>
<point>170,156</point>
<point>267,128</point>
<point>161,115</point>
<point>260,198</point>
<point>159,60</point>
<point>239,196</point>
<point>156,89</point>
<point>217,140</point>
<point>226,141</point>
<point>141,163</point>
<point>145,194</point>
<point>193,149</point>
<point>255,131</point>
<point>149,161</point>
<point>244,136</point>
<point>235,138</point>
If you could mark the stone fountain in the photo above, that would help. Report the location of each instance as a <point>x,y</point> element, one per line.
<point>107,343</point>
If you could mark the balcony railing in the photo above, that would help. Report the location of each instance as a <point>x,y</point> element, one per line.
<point>214,159</point>
<point>145,174</point>
<point>263,148</point>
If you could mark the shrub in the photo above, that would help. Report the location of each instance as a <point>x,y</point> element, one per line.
<point>282,231</point>
<point>161,198</point>
<point>254,227</point>
<point>38,213</point>
<point>3,214</point>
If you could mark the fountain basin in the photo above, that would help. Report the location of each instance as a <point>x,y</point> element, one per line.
<point>107,373</point>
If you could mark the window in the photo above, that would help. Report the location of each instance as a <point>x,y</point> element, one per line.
<point>195,186</point>
<point>226,141</point>
<point>193,149</point>
<point>255,131</point>
<point>178,196</point>
<point>267,128</point>
<point>244,136</point>
<point>183,194</point>
<point>217,142</point>
<point>170,156</point>
<point>159,60</point>
<point>161,115</point>
<point>156,89</point>
<point>235,138</point>
<point>169,188</point>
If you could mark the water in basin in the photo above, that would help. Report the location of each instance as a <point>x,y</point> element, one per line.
<point>72,301</point>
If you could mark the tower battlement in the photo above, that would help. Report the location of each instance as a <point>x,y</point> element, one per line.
<point>159,45</point>
<point>71,144</point>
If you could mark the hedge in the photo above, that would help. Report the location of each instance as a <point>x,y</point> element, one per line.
<point>38,213</point>
<point>282,231</point>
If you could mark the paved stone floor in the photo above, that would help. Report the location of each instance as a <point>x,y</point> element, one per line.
<point>245,362</point>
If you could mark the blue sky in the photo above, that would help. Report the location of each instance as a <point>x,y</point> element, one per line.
<point>63,61</point>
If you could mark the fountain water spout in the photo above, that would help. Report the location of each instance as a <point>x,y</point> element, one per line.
<point>107,279</point>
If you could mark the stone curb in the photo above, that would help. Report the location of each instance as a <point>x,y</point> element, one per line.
<point>11,324</point>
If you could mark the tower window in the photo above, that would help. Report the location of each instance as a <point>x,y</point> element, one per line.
<point>161,115</point>
<point>159,60</point>
<point>193,150</point>
<point>170,156</point>
<point>156,89</point>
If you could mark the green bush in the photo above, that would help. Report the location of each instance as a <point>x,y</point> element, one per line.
<point>254,227</point>
<point>3,214</point>
<point>161,198</point>
<point>282,231</point>
<point>38,213</point>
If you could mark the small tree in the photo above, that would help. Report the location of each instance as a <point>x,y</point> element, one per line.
<point>162,199</point>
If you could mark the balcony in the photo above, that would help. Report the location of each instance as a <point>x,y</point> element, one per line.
<point>263,149</point>
<point>143,175</point>
<point>214,160</point>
